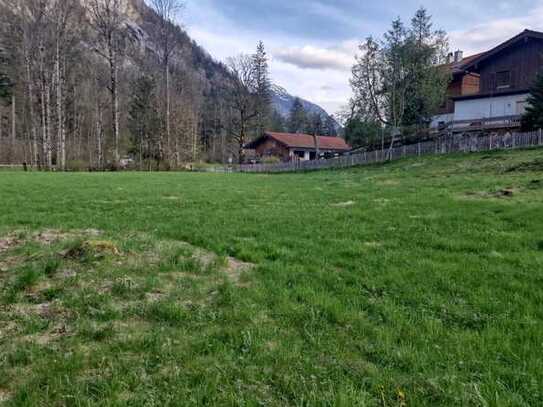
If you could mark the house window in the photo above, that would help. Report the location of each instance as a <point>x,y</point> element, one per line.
<point>503,79</point>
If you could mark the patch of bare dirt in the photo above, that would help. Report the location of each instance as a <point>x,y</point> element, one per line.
<point>344,204</point>
<point>7,328</point>
<point>9,242</point>
<point>68,273</point>
<point>51,311</point>
<point>45,338</point>
<point>372,244</point>
<point>235,268</point>
<point>46,310</point>
<point>389,183</point>
<point>155,296</point>
<point>4,396</point>
<point>509,192</point>
<point>9,263</point>
<point>51,236</point>
<point>45,237</point>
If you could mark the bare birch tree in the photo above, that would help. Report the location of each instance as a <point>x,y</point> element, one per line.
<point>107,22</point>
<point>243,100</point>
<point>167,11</point>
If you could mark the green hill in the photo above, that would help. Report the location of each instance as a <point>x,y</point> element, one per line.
<point>412,283</point>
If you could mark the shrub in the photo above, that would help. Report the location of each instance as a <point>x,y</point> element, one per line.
<point>271,160</point>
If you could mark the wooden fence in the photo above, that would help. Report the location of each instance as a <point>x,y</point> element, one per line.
<point>443,145</point>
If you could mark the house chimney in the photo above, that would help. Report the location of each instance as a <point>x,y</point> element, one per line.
<point>458,56</point>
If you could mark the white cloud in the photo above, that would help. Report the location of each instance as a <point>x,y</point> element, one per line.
<point>485,36</point>
<point>312,57</point>
<point>319,70</point>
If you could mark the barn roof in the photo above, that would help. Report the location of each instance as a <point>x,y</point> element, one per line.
<point>523,36</point>
<point>305,141</point>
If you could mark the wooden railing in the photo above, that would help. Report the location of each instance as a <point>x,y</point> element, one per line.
<point>442,145</point>
<point>502,122</point>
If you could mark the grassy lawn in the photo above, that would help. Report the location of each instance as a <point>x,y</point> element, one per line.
<point>416,283</point>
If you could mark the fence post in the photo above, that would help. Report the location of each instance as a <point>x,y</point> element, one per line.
<point>418,149</point>
<point>540,137</point>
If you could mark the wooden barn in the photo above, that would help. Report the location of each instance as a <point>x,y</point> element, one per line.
<point>304,147</point>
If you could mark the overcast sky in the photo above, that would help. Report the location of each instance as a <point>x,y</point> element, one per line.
<point>312,43</point>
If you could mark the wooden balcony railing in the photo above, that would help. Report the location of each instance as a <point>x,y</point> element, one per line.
<point>501,122</point>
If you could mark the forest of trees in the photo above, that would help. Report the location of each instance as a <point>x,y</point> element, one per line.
<point>99,83</point>
<point>398,82</point>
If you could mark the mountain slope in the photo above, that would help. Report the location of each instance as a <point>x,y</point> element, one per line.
<point>283,101</point>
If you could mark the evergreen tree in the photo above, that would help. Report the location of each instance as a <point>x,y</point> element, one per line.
<point>277,122</point>
<point>297,121</point>
<point>144,119</point>
<point>330,127</point>
<point>263,88</point>
<point>398,81</point>
<point>427,83</point>
<point>315,125</point>
<point>361,133</point>
<point>533,118</point>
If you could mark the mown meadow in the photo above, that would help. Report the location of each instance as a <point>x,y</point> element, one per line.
<point>414,283</point>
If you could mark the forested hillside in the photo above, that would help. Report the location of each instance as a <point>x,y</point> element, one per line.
<point>88,83</point>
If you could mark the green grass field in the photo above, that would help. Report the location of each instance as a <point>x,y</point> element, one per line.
<point>415,283</point>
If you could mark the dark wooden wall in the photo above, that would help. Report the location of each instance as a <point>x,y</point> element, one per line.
<point>524,61</point>
<point>271,147</point>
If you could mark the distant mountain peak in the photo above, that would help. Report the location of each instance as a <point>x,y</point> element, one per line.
<point>283,101</point>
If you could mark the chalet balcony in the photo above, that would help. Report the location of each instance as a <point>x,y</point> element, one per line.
<point>486,124</point>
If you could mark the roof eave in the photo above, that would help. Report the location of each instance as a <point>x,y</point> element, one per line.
<point>523,35</point>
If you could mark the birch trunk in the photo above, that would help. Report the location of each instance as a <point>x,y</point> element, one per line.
<point>168,113</point>
<point>48,126</point>
<point>114,99</point>
<point>13,120</point>
<point>99,132</point>
<point>30,96</point>
<point>44,140</point>
<point>61,136</point>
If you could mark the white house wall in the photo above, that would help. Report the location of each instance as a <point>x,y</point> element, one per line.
<point>491,107</point>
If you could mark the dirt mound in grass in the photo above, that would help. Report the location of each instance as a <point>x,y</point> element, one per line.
<point>51,236</point>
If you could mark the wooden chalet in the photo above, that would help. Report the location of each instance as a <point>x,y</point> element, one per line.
<point>303,147</point>
<point>488,91</point>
